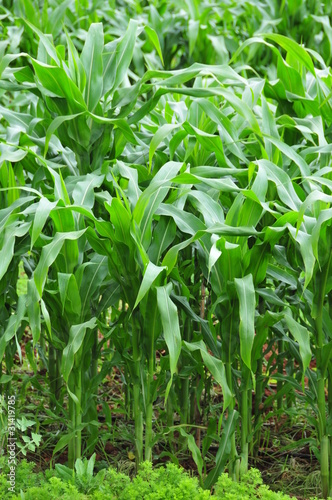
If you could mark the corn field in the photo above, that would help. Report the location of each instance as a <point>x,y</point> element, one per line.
<point>166,227</point>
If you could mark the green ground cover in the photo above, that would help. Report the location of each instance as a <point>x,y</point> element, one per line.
<point>164,483</point>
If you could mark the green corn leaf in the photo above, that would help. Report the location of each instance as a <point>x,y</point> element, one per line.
<point>33,310</point>
<point>185,221</point>
<point>76,338</point>
<point>293,48</point>
<point>246,294</point>
<point>121,221</point>
<point>56,17</point>
<point>159,136</point>
<point>288,151</point>
<point>46,316</point>
<point>92,61</point>
<point>55,82</point>
<point>21,120</point>
<point>46,41</point>
<point>90,277</point>
<point>7,250</point>
<point>59,120</point>
<point>195,451</point>
<point>283,183</point>
<point>215,366</point>
<point>163,235</point>
<point>133,190</point>
<point>117,61</point>
<point>153,37</point>
<point>306,248</point>
<point>211,343</point>
<point>224,449</point>
<point>43,211</point>
<point>13,325</point>
<point>302,337</point>
<point>50,253</point>
<point>151,199</point>
<point>83,193</point>
<point>170,321</point>
<point>171,256</point>
<point>193,30</point>
<point>69,294</point>
<point>150,275</point>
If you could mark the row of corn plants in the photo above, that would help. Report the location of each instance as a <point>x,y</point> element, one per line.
<point>173,220</point>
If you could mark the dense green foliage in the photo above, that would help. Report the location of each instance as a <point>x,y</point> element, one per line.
<point>163,483</point>
<point>165,191</point>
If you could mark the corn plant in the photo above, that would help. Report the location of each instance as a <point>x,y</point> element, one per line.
<point>192,199</point>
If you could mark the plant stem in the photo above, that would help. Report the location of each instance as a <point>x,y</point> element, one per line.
<point>78,414</point>
<point>170,420</point>
<point>149,407</point>
<point>52,373</point>
<point>250,439</point>
<point>138,413</point>
<point>72,411</point>
<point>244,420</point>
<point>321,281</point>
<point>58,380</point>
<point>185,381</point>
<point>330,441</point>
<point>197,415</point>
<point>258,402</point>
<point>324,465</point>
<point>94,360</point>
<point>138,416</point>
<point>232,465</point>
<point>128,401</point>
<point>280,372</point>
<point>197,412</point>
<point>43,350</point>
